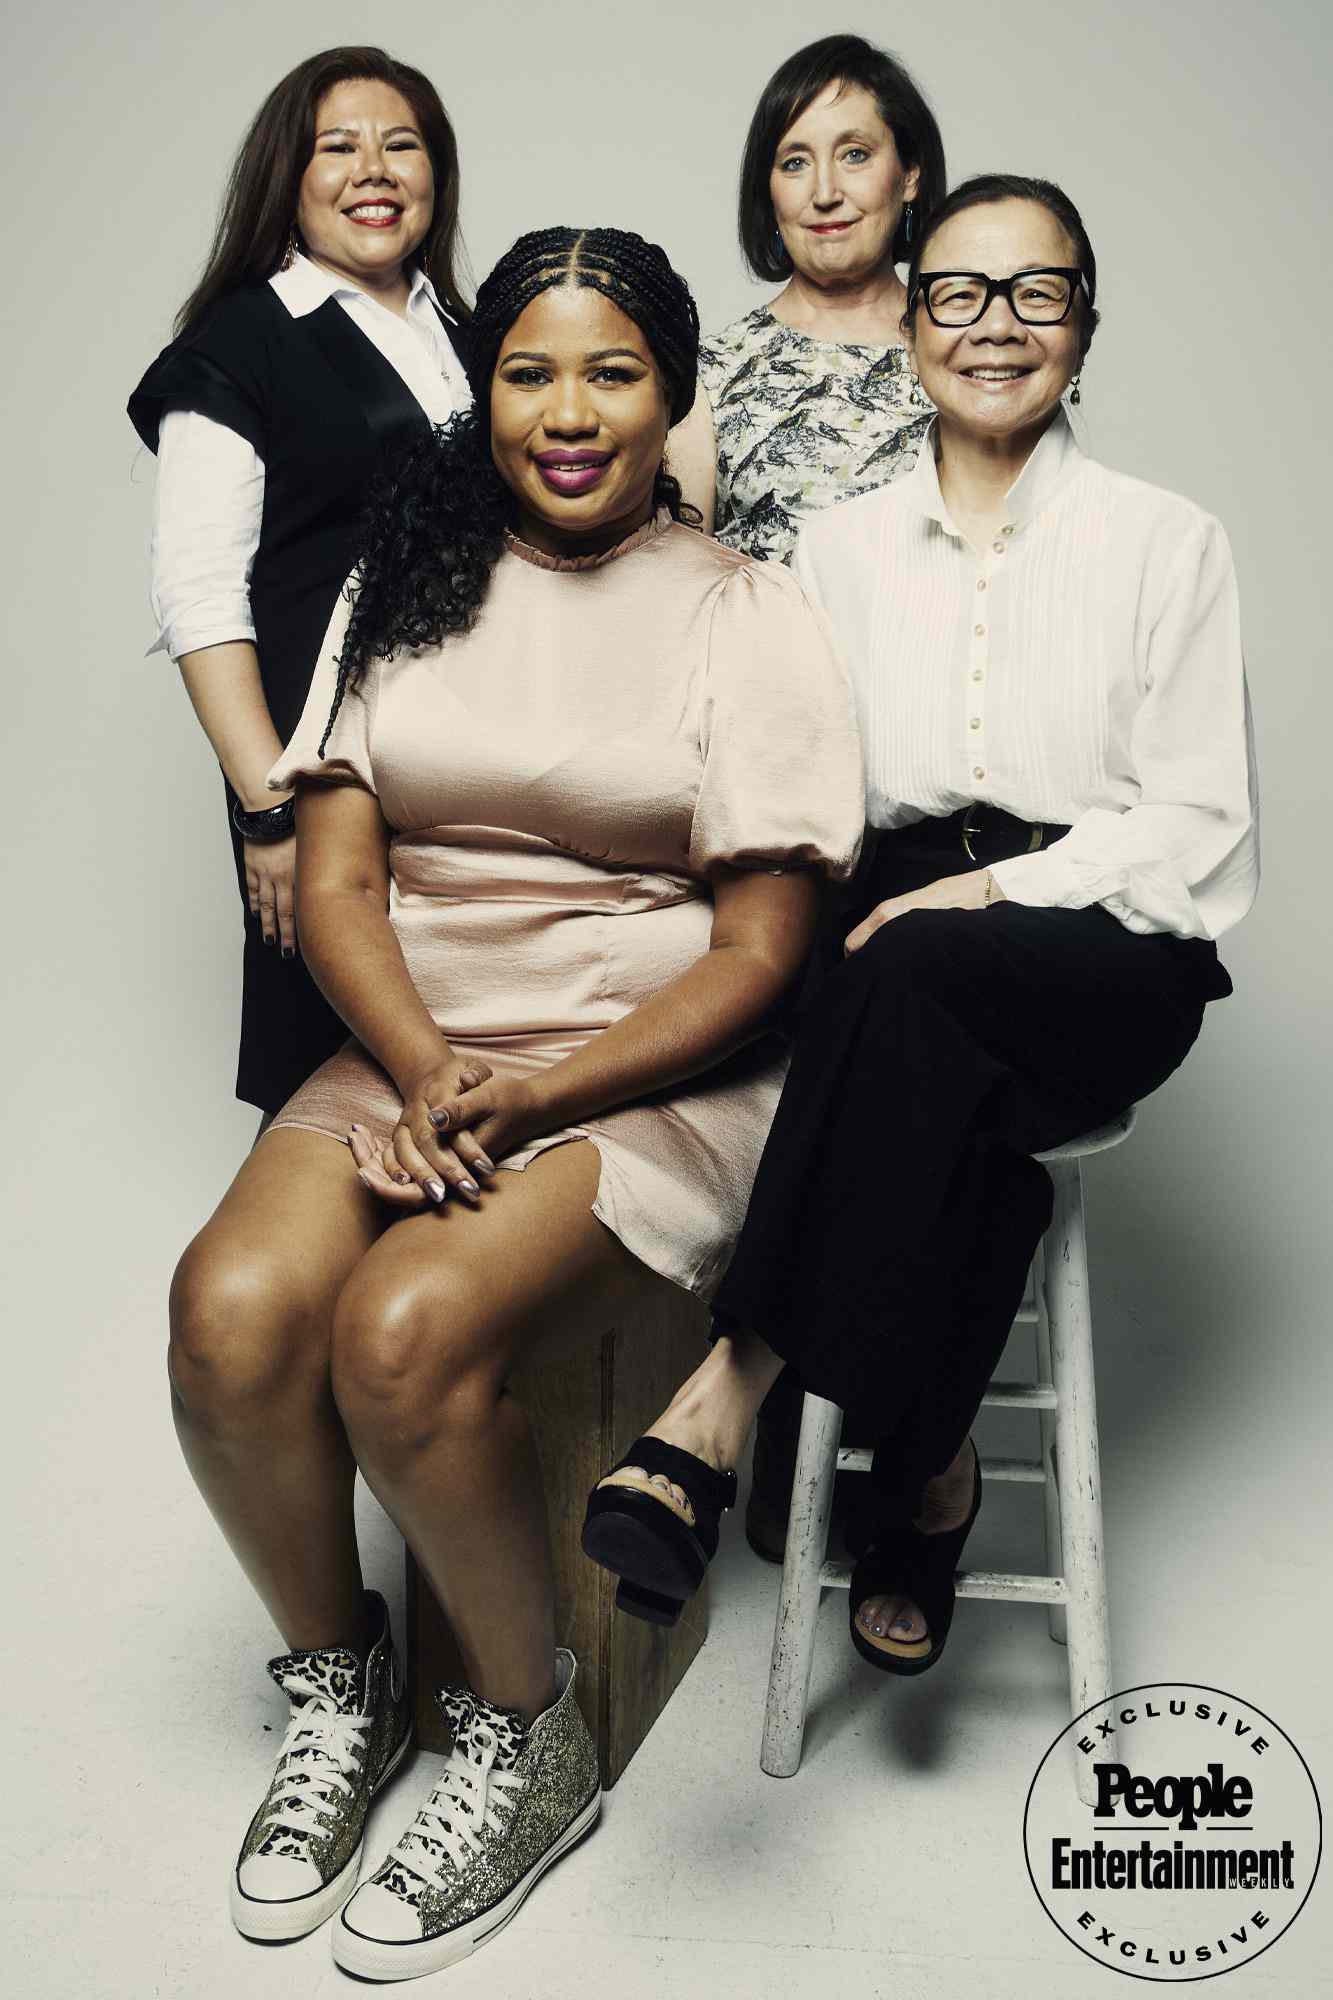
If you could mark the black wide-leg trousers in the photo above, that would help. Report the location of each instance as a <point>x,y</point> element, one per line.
<point>897,1205</point>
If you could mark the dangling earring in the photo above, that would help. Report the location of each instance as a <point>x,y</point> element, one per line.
<point>909,222</point>
<point>1075,394</point>
<point>292,251</point>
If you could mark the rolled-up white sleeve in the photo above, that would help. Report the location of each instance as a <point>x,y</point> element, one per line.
<point>1184,856</point>
<point>207,511</point>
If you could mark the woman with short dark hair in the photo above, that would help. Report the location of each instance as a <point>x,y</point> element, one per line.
<point>567,772</point>
<point>1047,662</point>
<point>809,400</point>
<point>328,324</point>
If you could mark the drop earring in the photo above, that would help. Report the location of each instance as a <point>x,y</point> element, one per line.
<point>1075,393</point>
<point>292,250</point>
<point>909,222</point>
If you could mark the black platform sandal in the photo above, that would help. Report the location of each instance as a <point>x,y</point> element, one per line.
<point>902,1561</point>
<point>659,1558</point>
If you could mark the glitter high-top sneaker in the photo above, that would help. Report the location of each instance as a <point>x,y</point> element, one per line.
<point>508,1803</point>
<point>350,1726</point>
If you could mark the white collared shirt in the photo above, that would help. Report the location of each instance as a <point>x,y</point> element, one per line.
<point>1085,670</point>
<point>209,500</point>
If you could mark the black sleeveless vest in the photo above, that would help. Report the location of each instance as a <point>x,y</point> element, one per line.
<point>322,407</point>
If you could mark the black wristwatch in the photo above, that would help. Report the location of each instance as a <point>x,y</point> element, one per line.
<point>273,823</point>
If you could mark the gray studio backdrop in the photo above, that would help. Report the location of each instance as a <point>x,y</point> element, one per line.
<point>1195,138</point>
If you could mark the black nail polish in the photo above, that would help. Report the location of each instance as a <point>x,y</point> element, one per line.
<point>288,951</point>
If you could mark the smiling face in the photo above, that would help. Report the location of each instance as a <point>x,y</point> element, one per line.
<point>579,418</point>
<point>838,187</point>
<point>368,194</point>
<point>999,378</point>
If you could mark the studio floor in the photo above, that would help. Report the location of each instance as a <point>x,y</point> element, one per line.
<point>144,1724</point>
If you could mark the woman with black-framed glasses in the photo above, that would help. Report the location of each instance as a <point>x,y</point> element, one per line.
<point>1046,656</point>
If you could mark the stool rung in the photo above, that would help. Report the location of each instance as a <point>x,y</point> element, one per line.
<point>1026,1316</point>
<point>1025,1471</point>
<point>1020,1396</point>
<point>994,1584</point>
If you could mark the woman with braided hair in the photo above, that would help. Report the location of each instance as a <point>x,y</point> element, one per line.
<point>565,777</point>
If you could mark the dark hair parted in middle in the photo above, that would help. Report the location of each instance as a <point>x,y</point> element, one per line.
<point>985,188</point>
<point>435,524</point>
<point>792,88</point>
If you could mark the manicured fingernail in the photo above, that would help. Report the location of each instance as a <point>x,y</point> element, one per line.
<point>363,1178</point>
<point>484,1165</point>
<point>439,1119</point>
<point>403,1180</point>
<point>878,1630</point>
<point>288,952</point>
<point>436,1190</point>
<point>469,1187</point>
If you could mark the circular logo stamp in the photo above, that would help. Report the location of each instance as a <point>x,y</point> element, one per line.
<point>1197,1842</point>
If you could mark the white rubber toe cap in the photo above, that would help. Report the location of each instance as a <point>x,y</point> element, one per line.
<point>375,1912</point>
<point>277,1878</point>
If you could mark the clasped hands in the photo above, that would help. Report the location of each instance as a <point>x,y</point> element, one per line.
<point>457,1121</point>
<point>977,890</point>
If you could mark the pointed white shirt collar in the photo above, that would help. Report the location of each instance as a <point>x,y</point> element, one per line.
<point>1055,457</point>
<point>305,286</point>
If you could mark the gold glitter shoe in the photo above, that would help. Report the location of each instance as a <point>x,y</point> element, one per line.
<point>509,1802</point>
<point>349,1729</point>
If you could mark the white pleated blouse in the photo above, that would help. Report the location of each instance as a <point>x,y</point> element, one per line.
<point>1085,670</point>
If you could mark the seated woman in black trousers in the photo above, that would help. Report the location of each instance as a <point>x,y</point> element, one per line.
<point>1048,670</point>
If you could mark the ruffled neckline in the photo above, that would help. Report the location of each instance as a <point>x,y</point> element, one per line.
<point>540,560</point>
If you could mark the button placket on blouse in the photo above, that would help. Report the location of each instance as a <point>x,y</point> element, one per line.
<point>978,659</point>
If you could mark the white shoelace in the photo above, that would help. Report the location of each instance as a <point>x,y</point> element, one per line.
<point>331,1745</point>
<point>464,1800</point>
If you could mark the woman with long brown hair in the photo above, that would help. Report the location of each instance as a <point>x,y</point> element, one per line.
<point>328,323</point>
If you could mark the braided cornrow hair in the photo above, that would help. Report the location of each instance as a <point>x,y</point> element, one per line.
<point>435,526</point>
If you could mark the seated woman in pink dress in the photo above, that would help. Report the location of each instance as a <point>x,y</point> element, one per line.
<point>567,775</point>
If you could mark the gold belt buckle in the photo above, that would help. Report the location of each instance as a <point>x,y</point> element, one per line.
<point>972,825</point>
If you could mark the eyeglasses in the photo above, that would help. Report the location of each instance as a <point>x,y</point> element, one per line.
<point>961,298</point>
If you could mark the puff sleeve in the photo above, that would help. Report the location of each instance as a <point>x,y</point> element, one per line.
<point>346,759</point>
<point>782,781</point>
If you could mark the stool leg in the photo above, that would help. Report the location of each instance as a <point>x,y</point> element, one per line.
<point>798,1600</point>
<point>1078,1472</point>
<point>1055,1617</point>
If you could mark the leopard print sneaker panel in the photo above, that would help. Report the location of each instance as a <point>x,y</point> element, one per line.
<point>350,1725</point>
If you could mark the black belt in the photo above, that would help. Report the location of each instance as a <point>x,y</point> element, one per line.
<point>984,833</point>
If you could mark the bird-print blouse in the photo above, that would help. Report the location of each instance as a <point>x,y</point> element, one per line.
<point>802,424</point>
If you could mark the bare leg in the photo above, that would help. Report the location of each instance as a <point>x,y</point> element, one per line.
<point>711,1414</point>
<point>251,1309</point>
<point>426,1334</point>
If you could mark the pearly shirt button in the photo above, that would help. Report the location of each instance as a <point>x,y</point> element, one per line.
<point>980,631</point>
<point>1008,529</point>
<point>998,548</point>
<point>974,722</point>
<point>978,771</point>
<point>981,583</point>
<point>978,674</point>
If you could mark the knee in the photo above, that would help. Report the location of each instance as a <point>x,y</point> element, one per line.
<point>410,1358</point>
<point>244,1335</point>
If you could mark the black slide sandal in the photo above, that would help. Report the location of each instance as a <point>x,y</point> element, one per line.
<point>660,1559</point>
<point>906,1562</point>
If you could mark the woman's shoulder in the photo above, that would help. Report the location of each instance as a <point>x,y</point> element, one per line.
<point>721,352</point>
<point>219,364</point>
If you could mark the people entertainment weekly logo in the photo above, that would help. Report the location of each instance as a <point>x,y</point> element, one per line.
<point>1173,1832</point>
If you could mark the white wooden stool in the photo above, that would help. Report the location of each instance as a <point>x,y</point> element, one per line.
<point>1064,1397</point>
